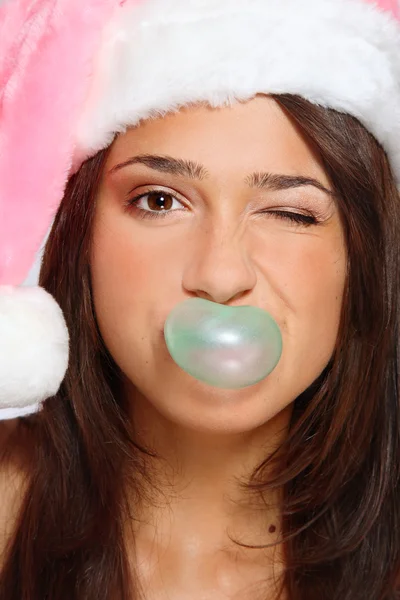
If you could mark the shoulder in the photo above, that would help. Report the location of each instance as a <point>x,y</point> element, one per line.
<point>13,483</point>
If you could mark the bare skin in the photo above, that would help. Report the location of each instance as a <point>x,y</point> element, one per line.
<point>219,247</point>
<point>226,240</point>
<point>180,551</point>
<point>218,244</point>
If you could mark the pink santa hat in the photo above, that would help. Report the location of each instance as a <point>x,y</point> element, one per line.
<point>74,74</point>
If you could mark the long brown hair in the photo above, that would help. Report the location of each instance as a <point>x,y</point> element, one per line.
<point>339,467</point>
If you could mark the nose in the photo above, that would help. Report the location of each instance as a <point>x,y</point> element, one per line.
<point>218,266</point>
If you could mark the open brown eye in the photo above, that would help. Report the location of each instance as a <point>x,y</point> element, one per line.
<point>154,204</point>
<point>159,200</point>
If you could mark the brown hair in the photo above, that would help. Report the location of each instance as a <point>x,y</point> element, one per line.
<point>339,466</point>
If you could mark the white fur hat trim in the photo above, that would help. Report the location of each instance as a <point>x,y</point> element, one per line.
<point>33,349</point>
<point>159,55</point>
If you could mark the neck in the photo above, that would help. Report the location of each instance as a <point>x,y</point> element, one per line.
<point>202,473</point>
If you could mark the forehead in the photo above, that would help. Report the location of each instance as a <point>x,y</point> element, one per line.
<point>237,139</point>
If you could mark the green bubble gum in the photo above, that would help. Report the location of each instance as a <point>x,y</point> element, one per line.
<point>224,346</point>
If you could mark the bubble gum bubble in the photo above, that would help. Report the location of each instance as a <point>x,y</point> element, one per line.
<point>223,346</point>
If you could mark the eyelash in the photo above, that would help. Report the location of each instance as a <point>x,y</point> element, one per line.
<point>298,218</point>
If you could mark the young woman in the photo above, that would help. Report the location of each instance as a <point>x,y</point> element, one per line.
<point>204,161</point>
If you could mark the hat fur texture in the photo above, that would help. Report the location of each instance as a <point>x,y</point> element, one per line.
<point>75,73</point>
<point>46,49</point>
<point>163,54</point>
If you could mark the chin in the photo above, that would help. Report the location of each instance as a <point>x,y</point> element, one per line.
<point>199,406</point>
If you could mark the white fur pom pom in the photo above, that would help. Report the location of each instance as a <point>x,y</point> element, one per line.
<point>34,349</point>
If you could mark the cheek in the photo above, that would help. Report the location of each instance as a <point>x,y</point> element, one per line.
<point>313,292</point>
<point>307,277</point>
<point>122,282</point>
<point>317,280</point>
<point>131,280</point>
<point>125,270</point>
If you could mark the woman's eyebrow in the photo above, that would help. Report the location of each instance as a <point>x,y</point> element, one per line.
<point>194,170</point>
<point>166,164</point>
<point>276,182</point>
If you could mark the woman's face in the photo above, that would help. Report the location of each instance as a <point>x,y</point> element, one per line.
<point>227,212</point>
